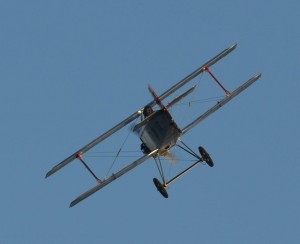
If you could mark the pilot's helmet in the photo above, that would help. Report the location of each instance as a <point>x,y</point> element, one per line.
<point>147,111</point>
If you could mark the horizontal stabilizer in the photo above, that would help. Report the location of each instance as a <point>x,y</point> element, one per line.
<point>180,97</point>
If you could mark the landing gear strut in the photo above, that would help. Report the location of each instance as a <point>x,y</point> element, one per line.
<point>205,157</point>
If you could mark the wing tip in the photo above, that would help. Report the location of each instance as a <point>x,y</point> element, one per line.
<point>233,46</point>
<point>72,204</point>
<point>76,201</point>
<point>48,174</point>
<point>51,172</point>
<point>257,77</point>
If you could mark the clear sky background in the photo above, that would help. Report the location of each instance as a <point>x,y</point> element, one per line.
<point>70,70</point>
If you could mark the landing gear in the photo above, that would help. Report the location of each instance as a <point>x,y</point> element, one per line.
<point>203,157</point>
<point>160,187</point>
<point>206,157</point>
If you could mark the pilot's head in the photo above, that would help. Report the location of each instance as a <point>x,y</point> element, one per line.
<point>147,111</point>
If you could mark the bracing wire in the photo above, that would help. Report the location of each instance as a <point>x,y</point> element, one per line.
<point>112,154</point>
<point>119,151</point>
<point>204,100</point>
<point>123,154</point>
<point>186,114</point>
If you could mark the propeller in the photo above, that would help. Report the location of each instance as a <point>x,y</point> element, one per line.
<point>171,157</point>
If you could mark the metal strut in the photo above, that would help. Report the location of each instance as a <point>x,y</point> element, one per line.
<point>205,157</point>
<point>79,156</point>
<point>219,83</point>
<point>160,169</point>
<point>188,149</point>
<point>183,173</point>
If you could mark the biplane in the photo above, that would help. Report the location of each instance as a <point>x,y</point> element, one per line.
<point>159,132</point>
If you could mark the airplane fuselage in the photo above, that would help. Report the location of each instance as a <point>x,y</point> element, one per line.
<point>160,132</point>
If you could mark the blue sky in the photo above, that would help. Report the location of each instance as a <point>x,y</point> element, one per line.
<point>70,70</point>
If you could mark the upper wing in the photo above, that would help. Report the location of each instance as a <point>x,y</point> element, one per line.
<point>221,103</point>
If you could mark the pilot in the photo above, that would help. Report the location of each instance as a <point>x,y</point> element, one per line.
<point>147,111</point>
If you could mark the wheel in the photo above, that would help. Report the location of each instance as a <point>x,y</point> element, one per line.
<point>206,157</point>
<point>160,188</point>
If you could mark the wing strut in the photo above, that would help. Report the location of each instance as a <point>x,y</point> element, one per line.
<point>221,103</point>
<point>112,178</point>
<point>219,83</point>
<point>79,156</point>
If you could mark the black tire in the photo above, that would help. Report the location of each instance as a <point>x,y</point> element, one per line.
<point>160,188</point>
<point>206,157</point>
